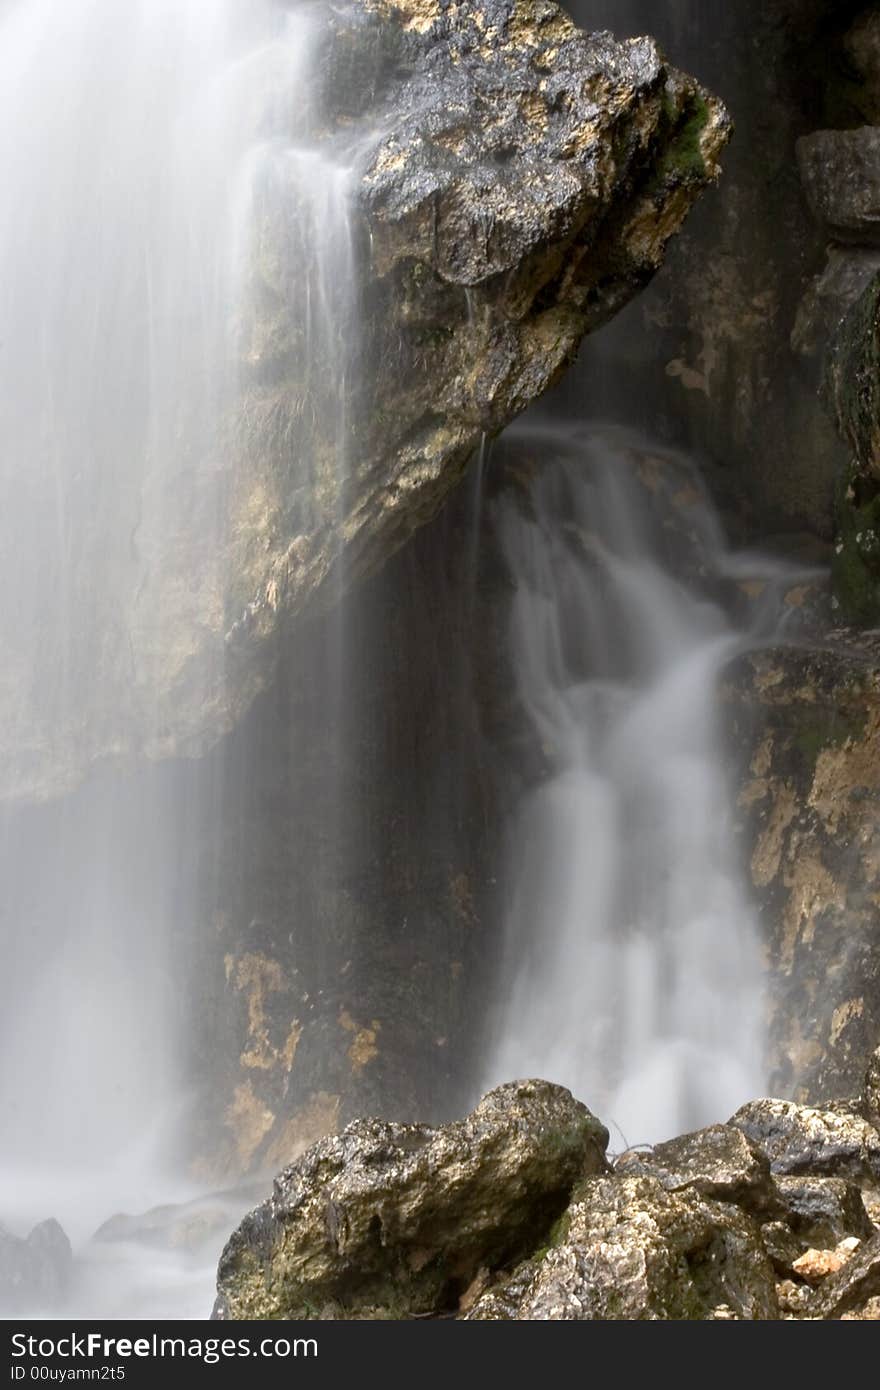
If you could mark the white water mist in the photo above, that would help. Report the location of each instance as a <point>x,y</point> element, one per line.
<point>145,147</point>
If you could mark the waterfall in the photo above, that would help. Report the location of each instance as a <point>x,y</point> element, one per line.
<point>149,151</point>
<point>179,296</point>
<point>632,971</point>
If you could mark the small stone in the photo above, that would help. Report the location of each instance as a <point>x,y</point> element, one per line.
<point>851,1288</point>
<point>815,1265</point>
<point>793,1298</point>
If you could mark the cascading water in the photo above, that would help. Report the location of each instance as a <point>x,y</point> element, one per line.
<point>144,148</point>
<point>633,971</point>
<point>150,153</point>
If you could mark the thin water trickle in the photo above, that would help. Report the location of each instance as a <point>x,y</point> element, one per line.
<point>633,970</point>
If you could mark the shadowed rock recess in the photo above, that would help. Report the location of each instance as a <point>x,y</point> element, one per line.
<point>515,1214</point>
<point>516,183</point>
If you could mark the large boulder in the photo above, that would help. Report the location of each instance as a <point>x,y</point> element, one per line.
<point>515,181</point>
<point>628,1249</point>
<point>389,1220</point>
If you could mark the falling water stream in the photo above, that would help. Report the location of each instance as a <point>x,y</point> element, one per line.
<point>633,973</point>
<point>141,146</point>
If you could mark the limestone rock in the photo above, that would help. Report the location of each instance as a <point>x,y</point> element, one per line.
<point>516,182</point>
<point>800,1139</point>
<point>840,172</point>
<point>719,1163</point>
<point>389,1220</point>
<point>823,1211</point>
<point>631,1250</point>
<point>34,1273</point>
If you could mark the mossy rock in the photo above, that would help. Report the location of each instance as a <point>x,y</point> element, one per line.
<point>395,1221</point>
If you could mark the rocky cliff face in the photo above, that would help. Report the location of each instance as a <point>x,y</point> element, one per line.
<point>514,182</point>
<point>805,721</point>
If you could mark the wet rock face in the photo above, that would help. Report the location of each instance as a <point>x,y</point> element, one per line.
<point>840,172</point>
<point>804,723</point>
<point>389,1220</point>
<point>516,182</point>
<point>34,1273</point>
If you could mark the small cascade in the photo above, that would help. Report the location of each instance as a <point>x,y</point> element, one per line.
<point>633,972</point>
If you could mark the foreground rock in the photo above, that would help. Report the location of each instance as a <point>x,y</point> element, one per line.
<point>849,1289</point>
<point>823,1211</point>
<point>517,181</point>
<point>719,1163</point>
<point>34,1273</point>
<point>514,1214</point>
<point>631,1250</point>
<point>800,1139</point>
<point>391,1220</point>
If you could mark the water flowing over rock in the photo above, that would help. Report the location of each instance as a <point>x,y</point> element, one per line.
<point>497,183</point>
